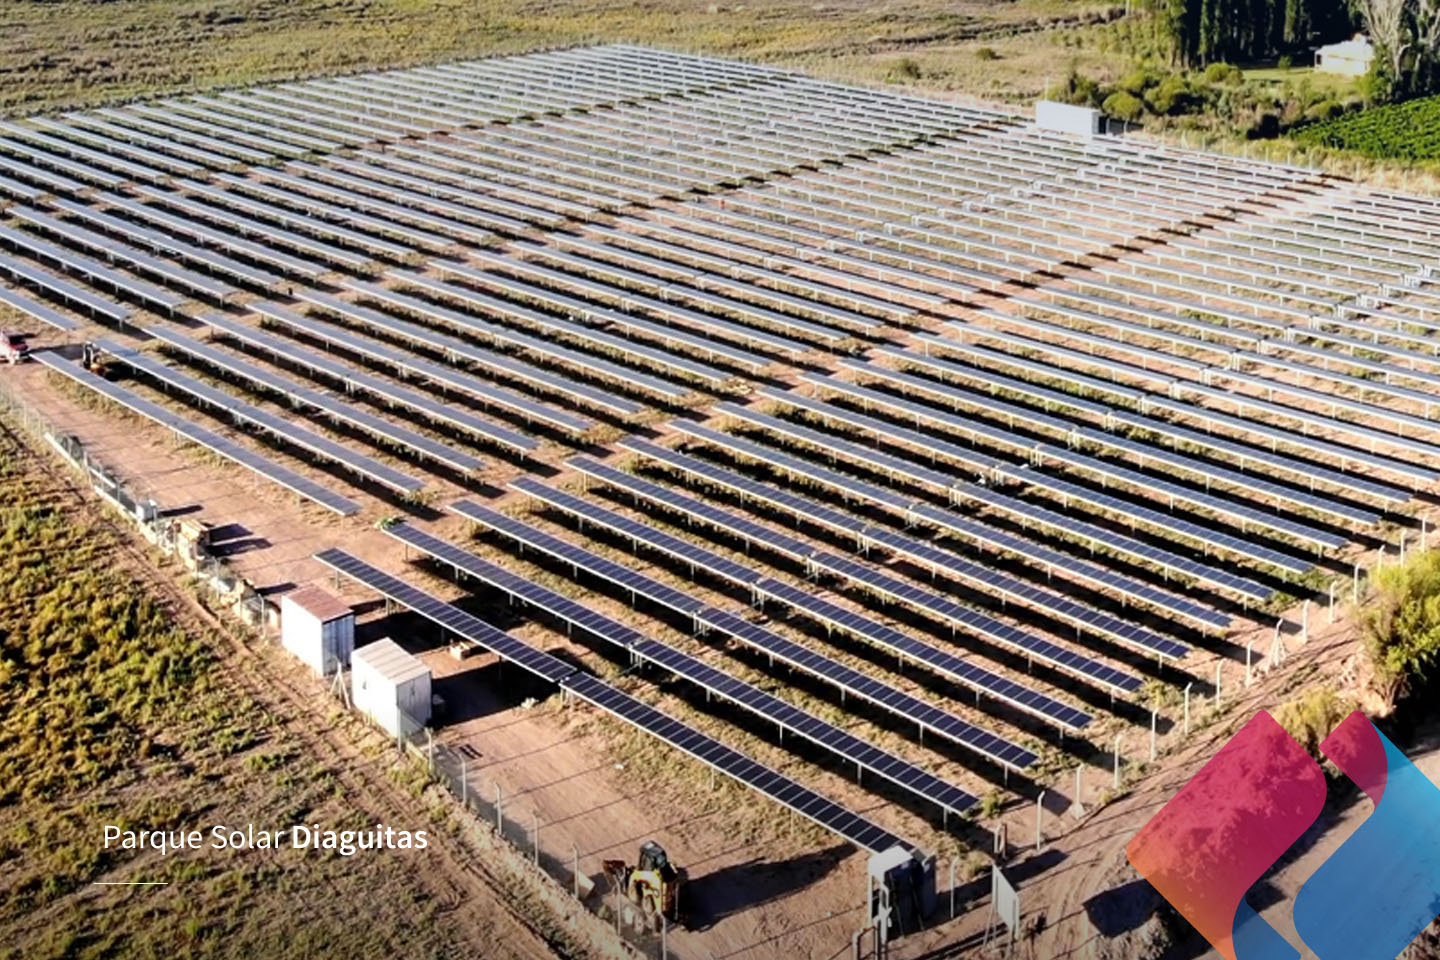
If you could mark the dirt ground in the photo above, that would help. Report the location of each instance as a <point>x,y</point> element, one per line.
<point>545,764</point>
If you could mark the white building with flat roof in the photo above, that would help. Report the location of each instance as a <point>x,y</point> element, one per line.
<point>391,687</point>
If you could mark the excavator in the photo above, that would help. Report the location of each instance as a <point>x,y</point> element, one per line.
<point>653,884</point>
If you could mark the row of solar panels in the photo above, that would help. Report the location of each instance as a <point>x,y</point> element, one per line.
<point>635,645</point>
<point>783,790</point>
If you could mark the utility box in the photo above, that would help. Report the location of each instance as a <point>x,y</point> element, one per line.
<point>901,885</point>
<point>1067,118</point>
<point>317,628</point>
<point>391,687</point>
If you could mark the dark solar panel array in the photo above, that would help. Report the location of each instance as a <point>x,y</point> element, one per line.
<point>249,413</point>
<point>848,825</point>
<point>851,681</point>
<point>208,439</point>
<point>987,626</point>
<point>792,719</point>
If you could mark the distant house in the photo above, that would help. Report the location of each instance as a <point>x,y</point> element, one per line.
<point>1350,58</point>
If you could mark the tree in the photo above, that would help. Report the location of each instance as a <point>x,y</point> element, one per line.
<point>1389,23</point>
<point>1427,44</point>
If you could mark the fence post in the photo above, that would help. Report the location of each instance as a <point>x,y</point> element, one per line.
<point>953,861</point>
<point>499,817</point>
<point>575,868</point>
<point>464,784</point>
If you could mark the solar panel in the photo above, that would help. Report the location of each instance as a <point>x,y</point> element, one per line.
<point>121,146</point>
<point>244,412</point>
<point>130,171</point>
<point>210,440</point>
<point>636,532</point>
<point>166,244</point>
<point>80,171</point>
<point>443,231</point>
<point>850,826</point>
<point>851,681</point>
<point>538,345</point>
<point>596,315</point>
<point>24,191</point>
<point>630,349</point>
<point>433,408</point>
<point>50,182</point>
<point>790,718</point>
<point>949,610</point>
<point>447,616</point>
<point>783,790</point>
<point>33,310</point>
<point>1074,432</point>
<point>115,250</point>
<point>876,460</point>
<point>453,348</point>
<point>219,238</point>
<point>64,289</point>
<point>136,129</point>
<point>97,272</point>
<point>298,221</point>
<point>1107,470</point>
<point>342,410</point>
<point>266,232</point>
<point>1165,428</point>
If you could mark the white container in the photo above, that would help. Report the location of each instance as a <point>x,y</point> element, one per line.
<point>1067,118</point>
<point>317,628</point>
<point>391,687</point>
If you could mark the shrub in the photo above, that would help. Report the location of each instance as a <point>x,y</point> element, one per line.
<point>1401,626</point>
<point>908,68</point>
<point>986,53</point>
<point>1080,90</point>
<point>1325,110</point>
<point>1224,73</point>
<point>1123,106</point>
<point>1172,96</point>
<point>1285,63</point>
<point>1310,718</point>
<point>1138,82</point>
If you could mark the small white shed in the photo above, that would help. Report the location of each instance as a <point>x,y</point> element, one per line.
<point>1350,58</point>
<point>317,628</point>
<point>391,687</point>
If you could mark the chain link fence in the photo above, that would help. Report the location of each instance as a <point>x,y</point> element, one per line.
<point>141,509</point>
<point>555,860</point>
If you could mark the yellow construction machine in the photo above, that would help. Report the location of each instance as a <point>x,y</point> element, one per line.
<point>653,884</point>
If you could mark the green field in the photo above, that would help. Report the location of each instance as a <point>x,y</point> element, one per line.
<point>70,53</point>
<point>1403,131</point>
